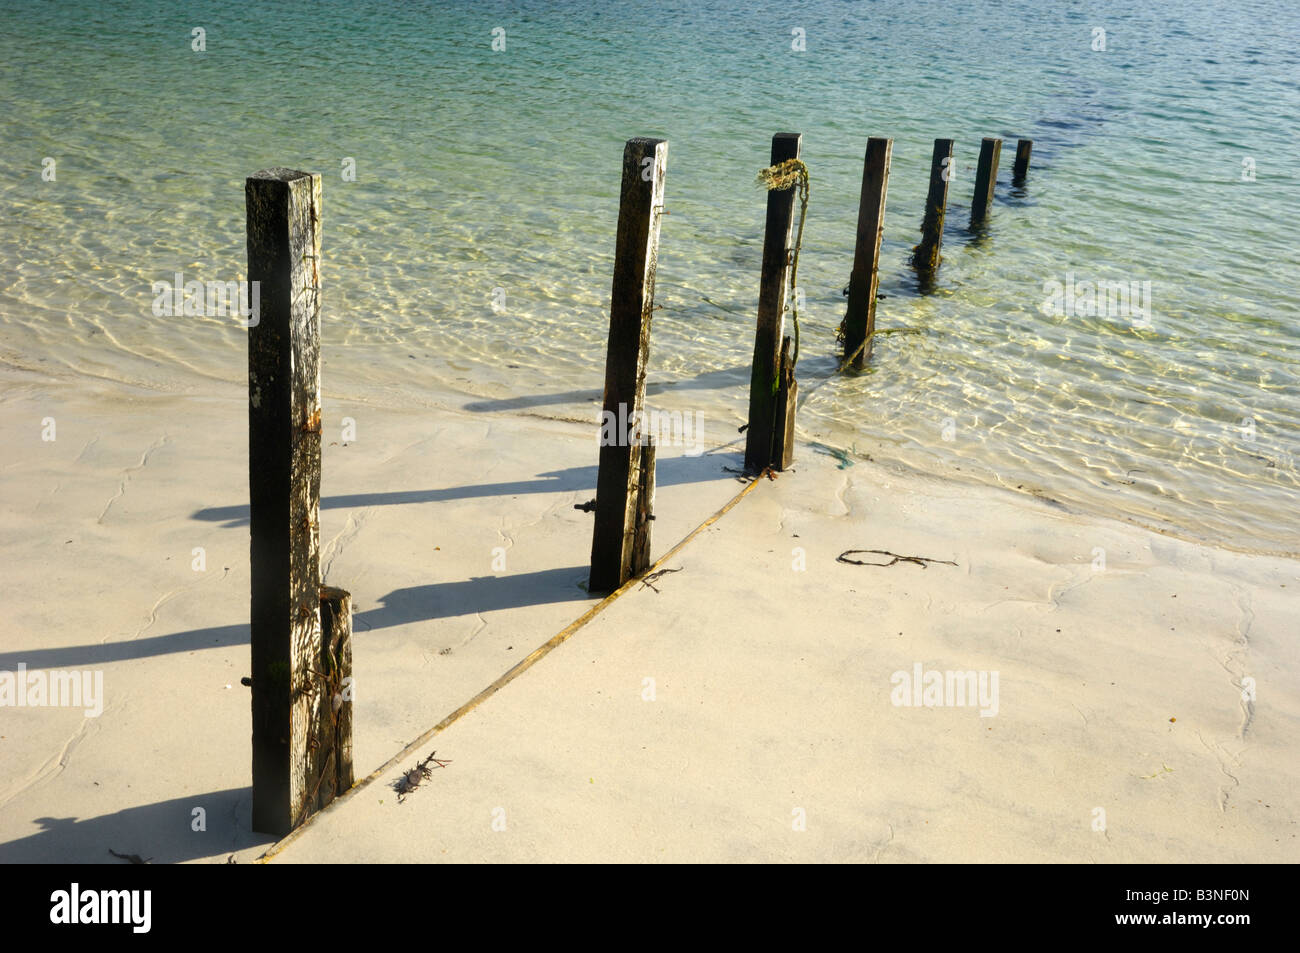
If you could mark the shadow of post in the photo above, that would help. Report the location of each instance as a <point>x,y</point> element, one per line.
<point>670,471</point>
<point>440,600</point>
<point>160,832</point>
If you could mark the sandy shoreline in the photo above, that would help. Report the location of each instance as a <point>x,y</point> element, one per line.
<point>772,684</point>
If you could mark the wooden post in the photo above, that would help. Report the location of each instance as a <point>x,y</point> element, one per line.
<point>986,177</point>
<point>619,481</point>
<point>925,256</point>
<point>1023,149</point>
<point>764,381</point>
<point>787,396</point>
<point>645,504</point>
<point>860,319</point>
<point>284,411</point>
<point>333,754</point>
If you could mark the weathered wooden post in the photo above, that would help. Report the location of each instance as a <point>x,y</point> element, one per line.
<point>765,376</point>
<point>860,318</point>
<point>645,504</point>
<point>625,483</point>
<point>284,450</point>
<point>333,768</point>
<point>986,177</point>
<point>1024,148</point>
<point>787,396</point>
<point>925,256</point>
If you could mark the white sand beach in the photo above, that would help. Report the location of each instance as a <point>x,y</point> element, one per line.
<point>1147,709</point>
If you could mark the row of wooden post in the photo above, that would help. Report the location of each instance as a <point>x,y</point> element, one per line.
<point>625,485</point>
<point>926,254</point>
<point>300,629</point>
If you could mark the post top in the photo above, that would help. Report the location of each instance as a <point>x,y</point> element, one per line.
<point>786,145</point>
<point>280,174</point>
<point>645,146</point>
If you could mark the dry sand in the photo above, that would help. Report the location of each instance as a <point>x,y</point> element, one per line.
<point>710,720</point>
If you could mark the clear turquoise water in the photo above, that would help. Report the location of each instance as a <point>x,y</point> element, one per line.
<point>479,169</point>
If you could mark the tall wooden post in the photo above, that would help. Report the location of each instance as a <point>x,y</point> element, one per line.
<point>860,319</point>
<point>620,484</point>
<point>764,379</point>
<point>1024,148</point>
<point>925,256</point>
<point>284,411</point>
<point>986,177</point>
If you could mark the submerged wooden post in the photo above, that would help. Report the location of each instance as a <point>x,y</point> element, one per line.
<point>764,381</point>
<point>284,446</point>
<point>1024,148</point>
<point>620,480</point>
<point>986,177</point>
<point>925,256</point>
<point>860,319</point>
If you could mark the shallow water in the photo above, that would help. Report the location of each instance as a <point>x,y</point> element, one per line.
<point>479,170</point>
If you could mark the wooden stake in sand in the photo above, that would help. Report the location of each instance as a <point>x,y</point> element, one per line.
<point>765,376</point>
<point>1024,148</point>
<point>644,505</point>
<point>925,256</point>
<point>618,549</point>
<point>986,177</point>
<point>860,318</point>
<point>333,757</point>
<point>284,451</point>
<point>787,396</point>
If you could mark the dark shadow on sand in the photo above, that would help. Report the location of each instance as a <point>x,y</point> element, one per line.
<point>438,600</point>
<point>103,653</point>
<point>160,832</point>
<point>670,471</point>
<point>441,600</point>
